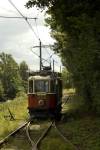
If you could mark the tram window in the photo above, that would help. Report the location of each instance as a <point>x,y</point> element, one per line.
<point>41,86</point>
<point>31,86</point>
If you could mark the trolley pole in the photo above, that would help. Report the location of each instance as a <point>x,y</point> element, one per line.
<point>40,57</point>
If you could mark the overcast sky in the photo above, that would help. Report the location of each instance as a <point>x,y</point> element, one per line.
<point>16,37</point>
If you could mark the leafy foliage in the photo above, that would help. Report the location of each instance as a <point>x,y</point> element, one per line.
<point>1,91</point>
<point>23,70</point>
<point>67,79</point>
<point>18,109</point>
<point>10,79</point>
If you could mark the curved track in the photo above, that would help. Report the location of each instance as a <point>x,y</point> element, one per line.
<point>45,132</point>
<point>52,124</point>
<point>64,137</point>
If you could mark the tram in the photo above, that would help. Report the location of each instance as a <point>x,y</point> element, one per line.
<point>45,94</point>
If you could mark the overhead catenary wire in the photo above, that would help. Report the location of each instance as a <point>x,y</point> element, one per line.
<point>25,18</point>
<point>52,59</point>
<point>45,46</point>
<point>39,56</point>
<point>46,60</point>
<point>16,17</point>
<point>16,8</point>
<point>50,56</point>
<point>37,28</point>
<point>30,26</point>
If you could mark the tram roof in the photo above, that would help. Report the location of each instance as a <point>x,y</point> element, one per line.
<point>39,77</point>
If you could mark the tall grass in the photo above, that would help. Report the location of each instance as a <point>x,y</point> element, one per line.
<point>18,109</point>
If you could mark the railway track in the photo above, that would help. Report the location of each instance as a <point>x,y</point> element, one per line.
<point>35,144</point>
<point>2,142</point>
<point>64,137</point>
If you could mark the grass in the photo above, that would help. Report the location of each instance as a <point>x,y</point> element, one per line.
<point>74,107</point>
<point>82,131</point>
<point>54,142</point>
<point>81,128</point>
<point>68,91</point>
<point>18,108</point>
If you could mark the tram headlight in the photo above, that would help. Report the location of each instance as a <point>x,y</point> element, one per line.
<point>41,102</point>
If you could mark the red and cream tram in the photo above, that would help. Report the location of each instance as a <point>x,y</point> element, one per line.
<point>45,94</point>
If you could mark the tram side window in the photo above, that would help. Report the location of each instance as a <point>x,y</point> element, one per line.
<point>31,86</point>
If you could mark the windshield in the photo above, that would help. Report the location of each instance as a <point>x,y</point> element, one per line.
<point>41,86</point>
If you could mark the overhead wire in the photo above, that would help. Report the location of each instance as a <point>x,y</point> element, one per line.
<point>15,17</point>
<point>40,39</point>
<point>30,26</point>
<point>50,56</point>
<point>25,18</point>
<point>16,8</point>
<point>37,29</point>
<point>39,56</point>
<point>46,49</point>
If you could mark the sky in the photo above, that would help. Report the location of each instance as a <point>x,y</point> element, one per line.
<point>17,39</point>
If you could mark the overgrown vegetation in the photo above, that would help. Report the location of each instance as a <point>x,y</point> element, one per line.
<point>67,79</point>
<point>11,77</point>
<point>75,26</point>
<point>82,133</point>
<point>18,109</point>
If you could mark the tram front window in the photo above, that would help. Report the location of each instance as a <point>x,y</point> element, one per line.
<point>41,86</point>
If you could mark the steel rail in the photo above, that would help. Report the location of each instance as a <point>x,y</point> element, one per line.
<point>64,137</point>
<point>35,144</point>
<point>28,135</point>
<point>12,134</point>
<point>67,99</point>
<point>45,132</point>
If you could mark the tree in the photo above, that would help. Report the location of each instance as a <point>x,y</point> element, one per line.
<point>9,76</point>
<point>23,70</point>
<point>67,78</point>
<point>75,26</point>
<point>1,92</point>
